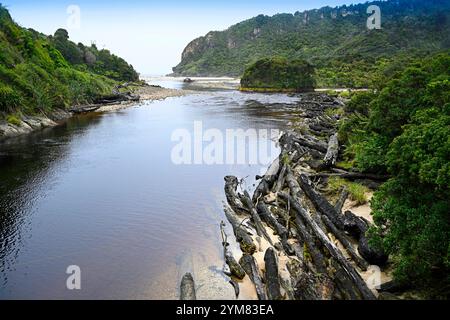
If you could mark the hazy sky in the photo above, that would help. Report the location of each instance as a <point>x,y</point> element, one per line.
<point>149,34</point>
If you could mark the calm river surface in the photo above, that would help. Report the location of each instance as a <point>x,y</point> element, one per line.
<point>102,192</point>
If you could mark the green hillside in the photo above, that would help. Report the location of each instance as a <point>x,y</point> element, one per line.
<point>334,40</point>
<point>278,74</point>
<point>39,73</point>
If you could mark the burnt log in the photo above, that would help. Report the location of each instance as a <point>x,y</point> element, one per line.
<point>340,235</point>
<point>341,201</point>
<point>350,272</point>
<point>235,268</point>
<point>187,288</point>
<point>320,203</point>
<point>242,237</point>
<point>271,275</point>
<point>309,285</point>
<point>250,266</point>
<point>279,229</point>
<point>317,257</point>
<point>260,229</point>
<point>358,227</point>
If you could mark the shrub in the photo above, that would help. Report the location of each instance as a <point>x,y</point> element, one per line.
<point>13,119</point>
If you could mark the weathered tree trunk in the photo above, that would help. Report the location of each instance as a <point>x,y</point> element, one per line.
<point>235,287</point>
<point>260,230</point>
<point>267,180</point>
<point>235,268</point>
<point>360,262</point>
<point>280,181</point>
<point>332,152</point>
<point>271,276</point>
<point>279,229</point>
<point>358,227</point>
<point>231,184</point>
<point>251,268</point>
<point>309,285</point>
<point>341,201</point>
<point>311,145</point>
<point>187,288</point>
<point>242,237</point>
<point>316,256</point>
<point>320,203</point>
<point>352,274</point>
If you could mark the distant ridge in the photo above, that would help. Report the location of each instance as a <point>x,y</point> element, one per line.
<point>335,40</point>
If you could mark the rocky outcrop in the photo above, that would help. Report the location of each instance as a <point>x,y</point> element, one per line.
<point>29,124</point>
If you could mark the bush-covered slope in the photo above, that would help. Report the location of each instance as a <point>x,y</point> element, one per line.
<point>335,40</point>
<point>278,74</point>
<point>403,128</point>
<point>36,76</point>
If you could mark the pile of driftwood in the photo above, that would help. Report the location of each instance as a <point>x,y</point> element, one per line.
<point>116,97</point>
<point>312,250</point>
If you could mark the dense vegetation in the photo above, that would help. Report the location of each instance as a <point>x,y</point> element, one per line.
<point>278,74</point>
<point>403,128</point>
<point>90,58</point>
<point>38,73</point>
<point>336,41</point>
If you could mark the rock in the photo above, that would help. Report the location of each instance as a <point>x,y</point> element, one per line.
<point>188,80</point>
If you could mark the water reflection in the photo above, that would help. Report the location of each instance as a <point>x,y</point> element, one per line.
<point>101,192</point>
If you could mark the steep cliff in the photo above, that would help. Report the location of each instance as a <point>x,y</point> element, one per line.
<point>336,41</point>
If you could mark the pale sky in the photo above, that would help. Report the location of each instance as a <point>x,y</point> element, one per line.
<point>150,35</point>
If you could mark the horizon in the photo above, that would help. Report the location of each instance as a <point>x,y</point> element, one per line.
<point>148,34</point>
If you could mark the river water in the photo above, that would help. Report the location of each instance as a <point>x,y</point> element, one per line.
<point>103,192</point>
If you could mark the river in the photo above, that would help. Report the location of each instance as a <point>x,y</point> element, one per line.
<point>103,192</point>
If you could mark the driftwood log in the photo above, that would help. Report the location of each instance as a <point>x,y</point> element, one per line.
<point>242,237</point>
<point>341,201</point>
<point>320,203</point>
<point>250,266</point>
<point>309,285</point>
<point>350,272</point>
<point>231,184</point>
<point>358,227</point>
<point>271,275</point>
<point>187,288</point>
<point>332,152</point>
<point>235,268</point>
<point>260,229</point>
<point>279,229</point>
<point>267,181</point>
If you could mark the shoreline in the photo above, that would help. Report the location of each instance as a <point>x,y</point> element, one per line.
<point>30,124</point>
<point>304,241</point>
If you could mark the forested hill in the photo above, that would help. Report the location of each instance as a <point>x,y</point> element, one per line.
<point>39,72</point>
<point>335,40</point>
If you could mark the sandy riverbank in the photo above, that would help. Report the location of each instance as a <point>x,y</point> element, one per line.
<point>148,93</point>
<point>29,124</point>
